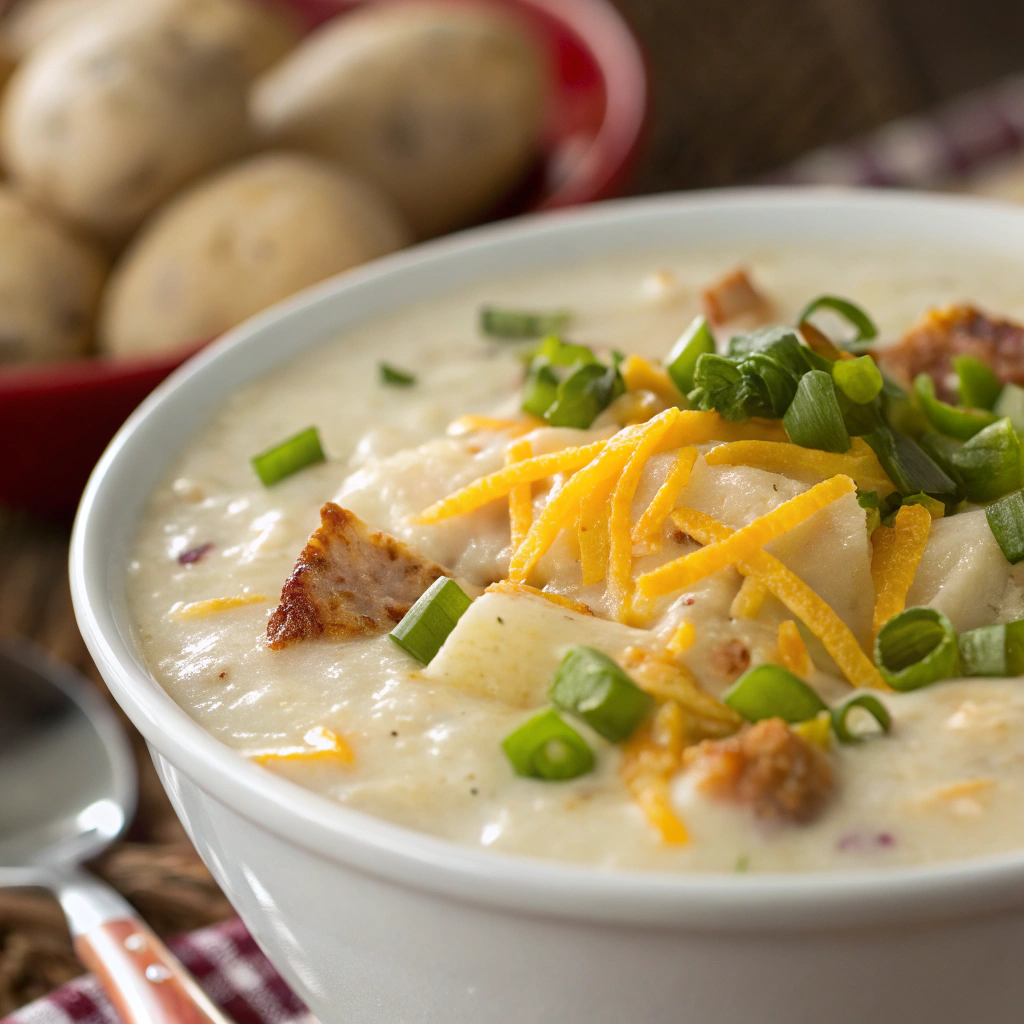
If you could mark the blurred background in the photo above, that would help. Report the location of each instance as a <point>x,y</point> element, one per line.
<point>913,93</point>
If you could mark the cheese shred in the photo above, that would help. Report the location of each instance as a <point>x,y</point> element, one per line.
<point>647,531</point>
<point>322,744</point>
<point>793,652</point>
<point>592,534</point>
<point>520,497</point>
<point>897,550</point>
<point>212,605</point>
<point>749,600</point>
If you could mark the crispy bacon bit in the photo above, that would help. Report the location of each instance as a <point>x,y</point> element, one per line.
<point>732,296</point>
<point>768,768</point>
<point>347,582</point>
<point>729,658</point>
<point>194,554</point>
<point>952,331</point>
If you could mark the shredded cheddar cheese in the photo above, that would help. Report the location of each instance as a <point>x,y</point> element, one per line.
<point>520,497</point>
<point>497,485</point>
<point>860,463</point>
<point>212,605</point>
<point>682,639</point>
<point>803,602</point>
<point>592,533</point>
<point>793,651</point>
<point>749,600</point>
<point>817,731</point>
<point>647,530</point>
<point>322,744</point>
<point>640,375</point>
<point>508,587</point>
<point>897,550</point>
<point>743,543</point>
<point>696,427</point>
<point>489,424</point>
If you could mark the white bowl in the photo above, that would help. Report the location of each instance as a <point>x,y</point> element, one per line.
<point>371,922</point>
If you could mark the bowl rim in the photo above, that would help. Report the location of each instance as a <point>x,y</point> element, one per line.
<point>354,839</point>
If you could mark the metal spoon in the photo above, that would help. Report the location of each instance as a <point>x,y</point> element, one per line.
<point>67,789</point>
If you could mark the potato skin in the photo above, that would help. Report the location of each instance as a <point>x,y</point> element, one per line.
<point>50,285</point>
<point>256,32</point>
<point>104,122</point>
<point>238,242</point>
<point>440,104</point>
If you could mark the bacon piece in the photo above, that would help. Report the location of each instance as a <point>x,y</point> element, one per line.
<point>732,296</point>
<point>951,331</point>
<point>348,582</point>
<point>768,768</point>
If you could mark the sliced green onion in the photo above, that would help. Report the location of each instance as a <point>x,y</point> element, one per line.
<point>907,465</point>
<point>1011,404</point>
<point>935,507</point>
<point>813,419</point>
<point>518,325</point>
<point>859,379</point>
<point>1006,521</point>
<point>959,423</point>
<point>991,464</point>
<point>868,500</point>
<point>583,395</point>
<point>851,313</point>
<point>564,353</point>
<point>540,388</point>
<point>993,650</point>
<point>548,748</point>
<point>289,457</point>
<point>392,375</point>
<point>428,622</point>
<point>770,691</point>
<point>979,386</point>
<point>681,362</point>
<point>872,705</point>
<point>589,684</point>
<point>916,648</point>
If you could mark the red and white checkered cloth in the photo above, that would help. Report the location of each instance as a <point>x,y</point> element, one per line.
<point>225,961</point>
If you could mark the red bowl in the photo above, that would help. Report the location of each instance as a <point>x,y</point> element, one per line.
<point>59,417</point>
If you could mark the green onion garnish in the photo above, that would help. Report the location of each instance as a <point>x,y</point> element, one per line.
<point>392,375</point>
<point>564,353</point>
<point>548,748</point>
<point>589,684</point>
<point>1006,521</point>
<point>289,457</point>
<point>426,625</point>
<point>993,650</point>
<point>935,507</point>
<point>907,465</point>
<point>519,325</point>
<point>870,704</point>
<point>813,419</point>
<point>979,386</point>
<point>540,388</point>
<point>868,500</point>
<point>851,313</point>
<point>583,395</point>
<point>916,648</point>
<point>1011,403</point>
<point>859,379</point>
<point>770,691</point>
<point>959,423</point>
<point>681,362</point>
<point>991,463</point>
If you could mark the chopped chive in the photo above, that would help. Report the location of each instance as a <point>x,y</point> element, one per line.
<point>959,423</point>
<point>564,353</point>
<point>742,863</point>
<point>936,508</point>
<point>916,648</point>
<point>426,625</point>
<point>991,463</point>
<point>907,465</point>
<point>872,705</point>
<point>1006,521</point>
<point>859,379</point>
<point>868,500</point>
<point>681,362</point>
<point>520,325</point>
<point>548,748</point>
<point>589,684</point>
<point>540,388</point>
<point>289,457</point>
<point>583,395</point>
<point>813,419</point>
<point>392,375</point>
<point>979,386</point>
<point>1011,404</point>
<point>849,311</point>
<point>993,650</point>
<point>770,691</point>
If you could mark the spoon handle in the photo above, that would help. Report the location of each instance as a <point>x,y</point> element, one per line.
<point>145,981</point>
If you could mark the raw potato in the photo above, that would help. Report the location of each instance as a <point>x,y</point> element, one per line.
<point>238,242</point>
<point>256,32</point>
<point>50,286</point>
<point>104,122</point>
<point>441,105</point>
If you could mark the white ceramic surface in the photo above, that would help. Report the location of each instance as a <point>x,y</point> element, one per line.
<point>373,923</point>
